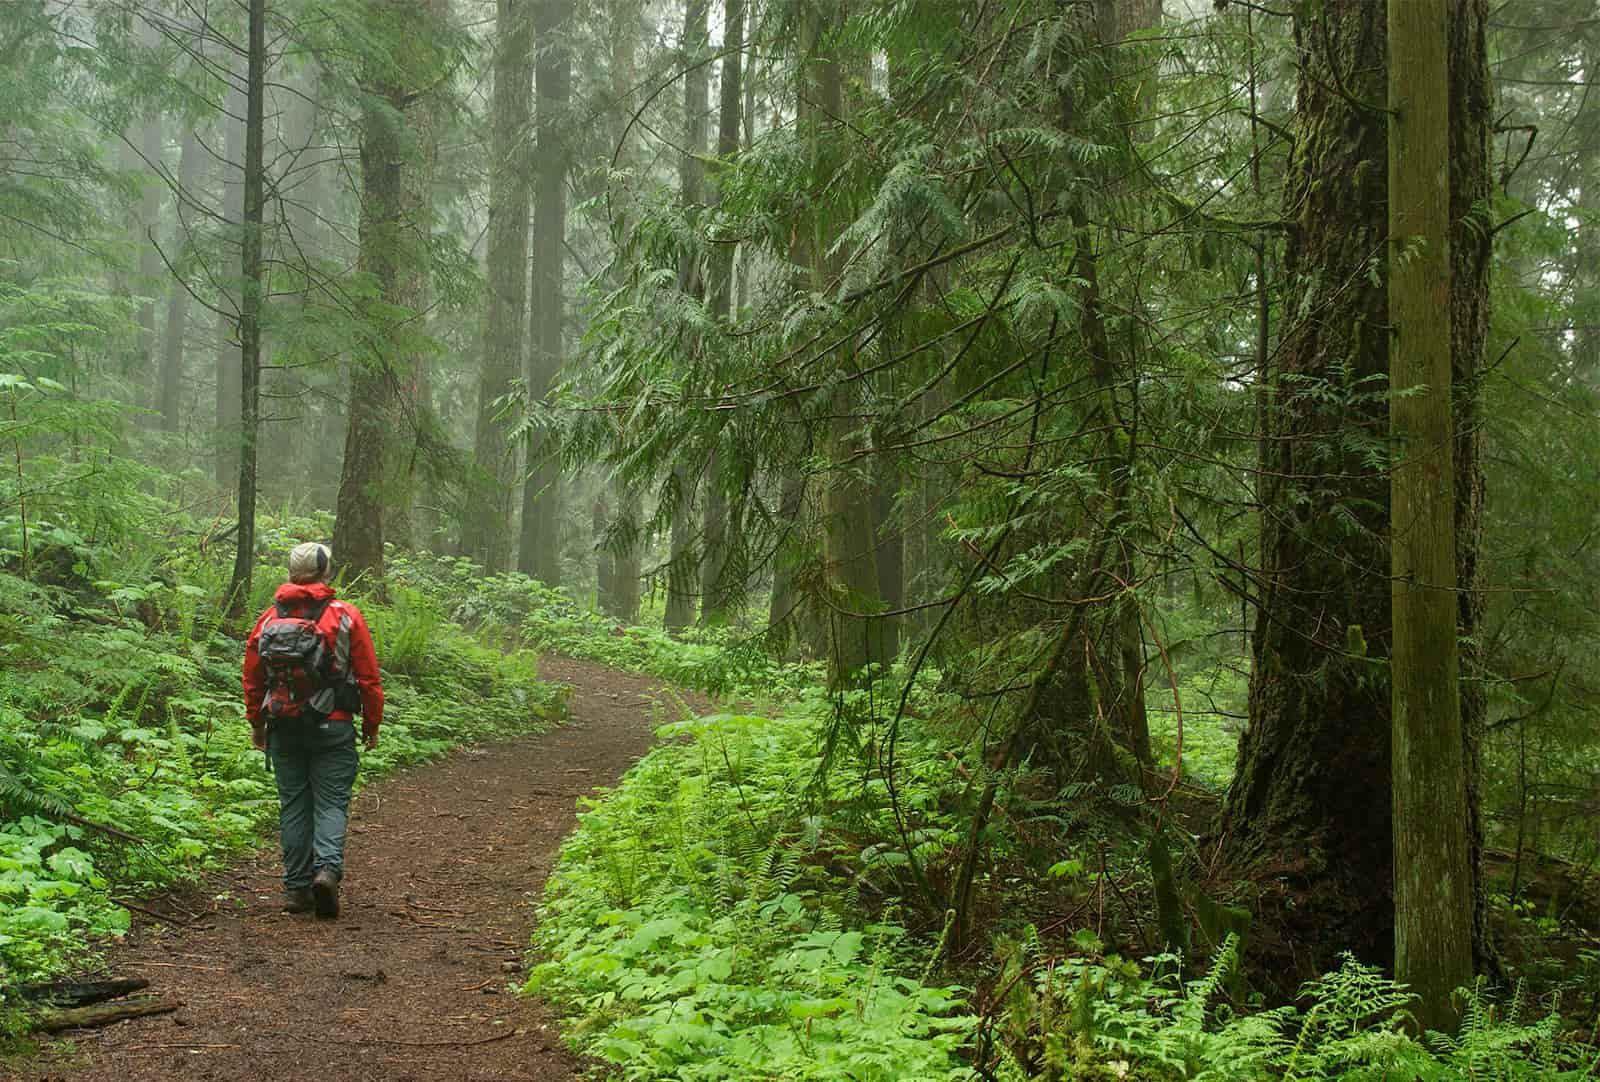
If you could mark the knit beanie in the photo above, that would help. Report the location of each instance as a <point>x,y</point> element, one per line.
<point>309,562</point>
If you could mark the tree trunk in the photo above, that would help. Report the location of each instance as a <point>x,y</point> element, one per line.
<point>172,381</point>
<point>1307,814</point>
<point>539,553</point>
<point>1471,102</point>
<point>227,381</point>
<point>152,272</point>
<point>681,577</point>
<point>715,593</point>
<point>358,530</point>
<point>410,436</point>
<point>487,525</point>
<point>1432,883</point>
<point>250,309</point>
<point>621,601</point>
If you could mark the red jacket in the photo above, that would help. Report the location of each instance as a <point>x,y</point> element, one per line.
<point>363,658</point>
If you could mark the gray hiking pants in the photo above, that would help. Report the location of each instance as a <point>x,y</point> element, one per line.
<point>315,773</point>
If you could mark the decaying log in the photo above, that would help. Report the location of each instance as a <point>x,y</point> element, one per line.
<point>80,993</point>
<point>56,1019</point>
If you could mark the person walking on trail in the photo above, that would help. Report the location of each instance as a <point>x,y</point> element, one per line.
<point>309,668</point>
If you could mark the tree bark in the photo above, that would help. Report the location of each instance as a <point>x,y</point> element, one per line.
<point>1471,104</point>
<point>172,381</point>
<point>250,308</point>
<point>227,366</point>
<point>715,593</point>
<point>152,272</point>
<point>539,551</point>
<point>621,601</point>
<point>413,435</point>
<point>487,529</point>
<point>1307,815</point>
<point>681,567</point>
<point>1433,887</point>
<point>363,504</point>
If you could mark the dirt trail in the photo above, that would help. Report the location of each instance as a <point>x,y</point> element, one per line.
<point>411,983</point>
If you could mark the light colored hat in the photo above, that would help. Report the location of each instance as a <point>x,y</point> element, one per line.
<point>309,562</point>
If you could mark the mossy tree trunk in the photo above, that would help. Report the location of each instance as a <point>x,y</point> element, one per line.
<point>1433,888</point>
<point>172,382</point>
<point>226,463</point>
<point>1307,814</point>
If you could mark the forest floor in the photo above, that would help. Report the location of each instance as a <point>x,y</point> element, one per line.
<point>414,982</point>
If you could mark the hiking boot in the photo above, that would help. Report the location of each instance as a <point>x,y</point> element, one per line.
<point>297,900</point>
<point>325,891</point>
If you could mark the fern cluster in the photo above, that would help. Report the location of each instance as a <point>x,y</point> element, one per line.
<point>1097,1016</point>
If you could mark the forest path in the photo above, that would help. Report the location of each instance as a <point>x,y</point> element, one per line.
<point>411,983</point>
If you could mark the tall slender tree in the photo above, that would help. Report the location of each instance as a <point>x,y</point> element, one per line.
<point>177,324</point>
<point>487,522</point>
<point>250,297</point>
<point>539,553</point>
<point>681,577</point>
<point>393,77</point>
<point>715,592</point>
<point>233,127</point>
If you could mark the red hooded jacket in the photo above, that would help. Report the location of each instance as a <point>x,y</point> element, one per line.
<point>363,658</point>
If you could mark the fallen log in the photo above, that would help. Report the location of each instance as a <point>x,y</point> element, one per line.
<point>54,1019</point>
<point>80,993</point>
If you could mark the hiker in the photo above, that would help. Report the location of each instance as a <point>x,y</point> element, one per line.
<point>309,667</point>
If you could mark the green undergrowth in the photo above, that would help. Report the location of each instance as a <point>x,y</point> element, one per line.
<point>515,608</point>
<point>709,920</point>
<point>125,760</point>
<point>740,907</point>
<point>1093,1015</point>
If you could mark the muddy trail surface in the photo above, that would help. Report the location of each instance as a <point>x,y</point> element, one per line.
<point>413,982</point>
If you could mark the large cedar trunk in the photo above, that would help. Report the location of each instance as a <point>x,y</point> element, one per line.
<point>1307,816</point>
<point>358,529</point>
<point>250,304</point>
<point>409,526</point>
<point>620,589</point>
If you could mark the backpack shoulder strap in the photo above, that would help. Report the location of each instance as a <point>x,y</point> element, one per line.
<point>312,613</point>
